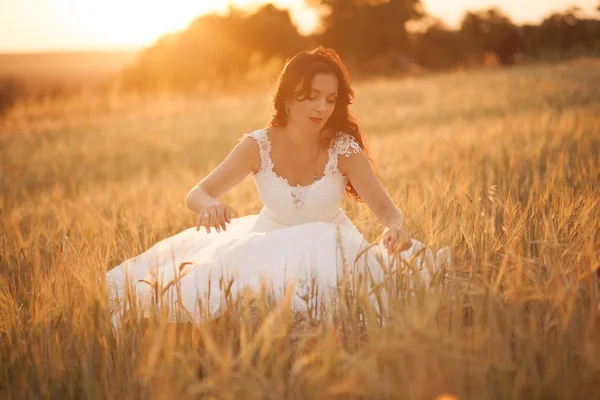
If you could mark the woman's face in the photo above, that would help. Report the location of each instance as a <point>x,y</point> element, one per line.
<point>314,111</point>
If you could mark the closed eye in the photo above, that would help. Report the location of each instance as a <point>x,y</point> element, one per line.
<point>330,101</point>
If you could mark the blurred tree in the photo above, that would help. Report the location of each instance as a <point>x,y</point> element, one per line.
<point>207,51</point>
<point>271,32</point>
<point>510,46</point>
<point>371,35</point>
<point>214,50</point>
<point>435,46</point>
<point>361,30</point>
<point>563,31</point>
<point>491,31</point>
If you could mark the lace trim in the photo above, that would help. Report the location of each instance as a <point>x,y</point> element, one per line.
<point>299,198</point>
<point>344,145</point>
<point>264,146</point>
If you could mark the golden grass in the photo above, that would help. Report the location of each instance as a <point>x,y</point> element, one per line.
<point>502,165</point>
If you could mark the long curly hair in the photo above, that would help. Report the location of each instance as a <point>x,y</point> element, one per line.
<point>301,68</point>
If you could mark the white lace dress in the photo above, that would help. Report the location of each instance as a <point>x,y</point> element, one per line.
<point>301,232</point>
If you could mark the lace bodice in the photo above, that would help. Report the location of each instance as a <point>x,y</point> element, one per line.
<point>319,201</point>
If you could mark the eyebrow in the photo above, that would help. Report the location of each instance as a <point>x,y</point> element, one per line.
<point>318,91</point>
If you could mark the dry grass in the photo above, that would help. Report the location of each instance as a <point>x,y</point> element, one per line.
<point>502,165</point>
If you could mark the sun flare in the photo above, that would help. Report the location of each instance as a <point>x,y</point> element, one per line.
<point>86,25</point>
<point>139,22</point>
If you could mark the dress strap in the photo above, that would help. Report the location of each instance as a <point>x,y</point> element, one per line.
<point>264,146</point>
<point>342,144</point>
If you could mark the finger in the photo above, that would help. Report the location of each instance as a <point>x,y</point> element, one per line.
<point>214,219</point>
<point>206,222</point>
<point>224,219</point>
<point>199,221</point>
<point>393,238</point>
<point>406,241</point>
<point>221,215</point>
<point>227,215</point>
<point>391,250</point>
<point>391,245</point>
<point>386,242</point>
<point>385,239</point>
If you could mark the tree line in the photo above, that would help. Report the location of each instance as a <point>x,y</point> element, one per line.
<point>372,36</point>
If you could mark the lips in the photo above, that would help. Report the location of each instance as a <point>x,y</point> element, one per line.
<point>316,120</point>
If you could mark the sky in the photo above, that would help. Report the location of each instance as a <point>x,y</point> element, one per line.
<point>64,25</point>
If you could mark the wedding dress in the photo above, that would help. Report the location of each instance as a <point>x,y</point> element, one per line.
<point>300,233</point>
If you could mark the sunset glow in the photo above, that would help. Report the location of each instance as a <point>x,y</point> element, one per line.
<point>138,22</point>
<point>83,24</point>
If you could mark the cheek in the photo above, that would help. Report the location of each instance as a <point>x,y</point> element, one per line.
<point>330,108</point>
<point>302,107</point>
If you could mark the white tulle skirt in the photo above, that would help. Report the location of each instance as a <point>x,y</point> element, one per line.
<point>193,272</point>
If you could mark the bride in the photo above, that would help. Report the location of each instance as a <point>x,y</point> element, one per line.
<point>309,156</point>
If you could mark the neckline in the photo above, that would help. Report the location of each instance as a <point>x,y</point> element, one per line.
<point>284,180</point>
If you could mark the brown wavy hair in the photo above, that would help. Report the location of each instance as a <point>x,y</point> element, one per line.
<point>301,68</point>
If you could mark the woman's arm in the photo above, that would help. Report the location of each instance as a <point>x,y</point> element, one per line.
<point>357,168</point>
<point>241,161</point>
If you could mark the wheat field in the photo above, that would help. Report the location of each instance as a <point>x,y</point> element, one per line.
<point>502,165</point>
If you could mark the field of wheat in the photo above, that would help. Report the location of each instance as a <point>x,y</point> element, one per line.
<point>501,165</point>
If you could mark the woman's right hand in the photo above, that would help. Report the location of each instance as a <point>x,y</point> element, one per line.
<point>395,238</point>
<point>215,215</point>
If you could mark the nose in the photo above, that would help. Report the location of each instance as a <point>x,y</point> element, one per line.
<point>321,105</point>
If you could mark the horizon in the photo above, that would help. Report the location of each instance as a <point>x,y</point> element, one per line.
<point>304,18</point>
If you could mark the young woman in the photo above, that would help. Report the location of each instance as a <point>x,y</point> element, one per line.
<point>309,156</point>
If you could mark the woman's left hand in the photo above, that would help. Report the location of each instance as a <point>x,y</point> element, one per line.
<point>395,238</point>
